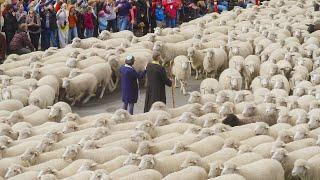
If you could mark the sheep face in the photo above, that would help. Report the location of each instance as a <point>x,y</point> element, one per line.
<point>145,126</point>
<point>71,152</point>
<point>285,136</point>
<point>264,81</point>
<point>35,102</point>
<point>234,83</point>
<point>209,107</point>
<point>13,170</point>
<point>87,166</point>
<point>102,122</point>
<point>191,53</point>
<point>231,143</point>
<point>222,97</point>
<point>178,148</point>
<point>143,148</point>
<point>229,168</point>
<point>280,155</point>
<point>220,128</point>
<point>314,122</point>
<point>90,144</point>
<point>55,112</point>
<point>158,106</point>
<point>132,159</point>
<point>74,72</point>
<point>47,171</point>
<point>271,109</point>
<point>301,133</point>
<point>76,43</point>
<point>147,162</point>
<point>195,97</point>
<point>70,127</point>
<point>35,73</point>
<point>162,119</point>
<point>187,117</point>
<point>244,149</point>
<point>120,116</point>
<point>24,133</point>
<point>215,169</point>
<point>74,54</point>
<point>193,130</point>
<point>300,168</point>
<point>47,177</point>
<point>315,78</point>
<point>44,145</point>
<point>100,133</point>
<point>29,156</point>
<point>302,118</point>
<point>6,94</point>
<point>209,121</point>
<point>261,129</point>
<point>258,49</point>
<point>100,175</point>
<point>65,83</point>
<point>205,132</point>
<point>54,135</point>
<point>227,108</point>
<point>269,98</point>
<point>140,136</point>
<point>249,110</point>
<point>191,161</point>
<point>105,35</point>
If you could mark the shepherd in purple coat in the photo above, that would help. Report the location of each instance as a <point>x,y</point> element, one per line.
<point>129,83</point>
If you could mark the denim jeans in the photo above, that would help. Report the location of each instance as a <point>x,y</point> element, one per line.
<point>131,105</point>
<point>88,33</point>
<point>171,22</point>
<point>123,22</point>
<point>112,24</point>
<point>54,37</point>
<point>72,34</point>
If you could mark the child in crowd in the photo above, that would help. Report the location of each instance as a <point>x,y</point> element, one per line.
<point>88,22</point>
<point>160,16</point>
<point>103,21</point>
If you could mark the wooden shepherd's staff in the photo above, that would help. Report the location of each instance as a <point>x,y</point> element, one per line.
<point>173,86</point>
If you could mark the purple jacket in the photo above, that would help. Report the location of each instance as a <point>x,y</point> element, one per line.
<point>129,83</point>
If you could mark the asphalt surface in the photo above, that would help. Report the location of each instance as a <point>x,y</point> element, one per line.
<point>112,101</point>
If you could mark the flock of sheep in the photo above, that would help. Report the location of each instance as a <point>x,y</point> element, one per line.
<point>259,63</point>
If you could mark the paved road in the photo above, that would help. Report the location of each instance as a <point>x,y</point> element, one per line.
<point>112,101</point>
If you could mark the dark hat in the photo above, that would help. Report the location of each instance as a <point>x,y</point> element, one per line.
<point>129,60</point>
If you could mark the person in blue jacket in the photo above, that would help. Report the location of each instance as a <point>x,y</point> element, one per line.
<point>129,83</point>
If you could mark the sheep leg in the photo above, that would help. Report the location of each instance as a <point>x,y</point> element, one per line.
<point>78,98</point>
<point>197,74</point>
<point>183,85</point>
<point>111,86</point>
<point>102,90</point>
<point>87,98</point>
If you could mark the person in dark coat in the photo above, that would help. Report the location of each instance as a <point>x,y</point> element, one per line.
<point>156,80</point>
<point>129,83</point>
<point>10,25</point>
<point>3,47</point>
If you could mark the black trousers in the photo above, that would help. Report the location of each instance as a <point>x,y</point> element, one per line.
<point>9,37</point>
<point>34,37</point>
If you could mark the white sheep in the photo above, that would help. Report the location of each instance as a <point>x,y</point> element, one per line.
<point>182,71</point>
<point>223,155</point>
<point>214,61</point>
<point>190,173</point>
<point>306,169</point>
<point>209,86</point>
<point>230,79</point>
<point>265,169</point>
<point>42,97</point>
<point>83,85</point>
<point>59,110</point>
<point>11,105</point>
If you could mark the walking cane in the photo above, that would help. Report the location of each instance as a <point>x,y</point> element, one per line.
<point>173,86</point>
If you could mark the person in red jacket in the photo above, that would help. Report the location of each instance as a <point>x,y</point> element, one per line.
<point>170,9</point>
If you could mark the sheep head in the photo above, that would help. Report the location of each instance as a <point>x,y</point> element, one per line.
<point>205,132</point>
<point>220,128</point>
<point>121,116</point>
<point>314,122</point>
<point>44,145</point>
<point>191,51</point>
<point>87,166</point>
<point>147,162</point>
<point>191,161</point>
<point>99,133</point>
<point>132,159</point>
<point>231,143</point>
<point>209,119</point>
<point>244,149</point>
<point>146,126</point>
<point>286,136</point>
<point>300,168</point>
<point>6,130</point>
<point>66,83</point>
<point>187,117</point>
<point>47,171</point>
<point>229,168</point>
<point>15,117</point>
<point>249,110</point>
<point>140,136</point>
<point>69,127</point>
<point>5,140</point>
<point>209,107</point>
<point>178,147</point>
<point>103,122</point>
<point>55,112</point>
<point>158,106</point>
<point>196,109</point>
<point>29,157</point>
<point>162,119</point>
<point>74,72</point>
<point>280,154</point>
<point>47,177</point>
<point>226,108</point>
<point>215,169</point>
<point>144,148</point>
<point>261,128</point>
<point>195,97</point>
<point>54,135</point>
<point>71,152</point>
<point>100,174</point>
<point>24,133</point>
<point>222,97</point>
<point>301,133</point>
<point>13,170</point>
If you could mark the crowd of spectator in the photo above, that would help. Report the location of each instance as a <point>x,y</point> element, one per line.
<point>55,23</point>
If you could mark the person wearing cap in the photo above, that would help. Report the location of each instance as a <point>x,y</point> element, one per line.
<point>157,79</point>
<point>129,83</point>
